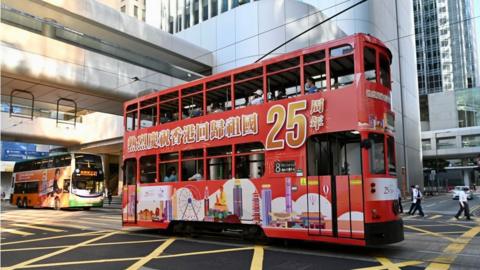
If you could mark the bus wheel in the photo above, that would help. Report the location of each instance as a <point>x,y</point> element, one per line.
<point>56,204</point>
<point>19,203</point>
<point>86,208</point>
<point>25,203</point>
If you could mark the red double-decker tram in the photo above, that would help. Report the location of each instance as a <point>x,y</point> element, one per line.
<point>300,146</point>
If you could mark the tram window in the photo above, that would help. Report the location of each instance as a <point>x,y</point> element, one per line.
<point>219,168</point>
<point>219,100</point>
<point>245,93</point>
<point>192,106</point>
<point>342,50</point>
<point>169,96</point>
<point>148,169</point>
<point>219,151</point>
<point>130,171</point>
<point>250,147</point>
<point>249,74</point>
<point>148,116</point>
<point>169,111</point>
<point>313,57</point>
<point>284,84</point>
<point>318,157</point>
<point>169,172</point>
<point>218,82</point>
<point>341,71</point>
<point>169,156</point>
<point>132,116</point>
<point>391,156</point>
<point>370,64</point>
<point>318,73</point>
<point>198,153</point>
<point>377,154</point>
<point>289,63</point>
<point>250,166</point>
<point>384,71</point>
<point>350,162</point>
<point>192,170</point>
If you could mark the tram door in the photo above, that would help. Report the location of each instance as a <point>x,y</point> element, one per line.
<point>129,198</point>
<point>335,198</point>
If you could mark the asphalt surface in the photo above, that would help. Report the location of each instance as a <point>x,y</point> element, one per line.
<point>49,239</point>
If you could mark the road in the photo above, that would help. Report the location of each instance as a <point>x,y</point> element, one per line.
<point>49,239</point>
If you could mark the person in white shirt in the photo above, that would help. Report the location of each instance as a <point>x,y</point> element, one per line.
<point>417,200</point>
<point>258,98</point>
<point>197,176</point>
<point>462,200</point>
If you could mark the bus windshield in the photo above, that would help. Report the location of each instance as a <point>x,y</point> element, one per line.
<point>85,161</point>
<point>87,186</point>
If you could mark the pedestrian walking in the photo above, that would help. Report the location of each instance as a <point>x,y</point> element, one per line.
<point>399,196</point>
<point>412,206</point>
<point>418,196</point>
<point>109,196</point>
<point>462,200</point>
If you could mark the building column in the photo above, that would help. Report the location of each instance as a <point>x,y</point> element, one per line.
<point>120,175</point>
<point>466,177</point>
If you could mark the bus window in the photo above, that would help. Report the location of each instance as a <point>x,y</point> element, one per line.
<point>392,170</point>
<point>130,171</point>
<point>192,165</point>
<point>341,66</point>
<point>384,71</point>
<point>370,64</point>
<point>377,154</point>
<point>62,161</point>
<point>86,161</point>
<point>284,84</point>
<point>132,116</point>
<point>168,167</point>
<point>31,187</point>
<point>148,169</point>
<point>249,92</point>
<point>219,162</point>
<point>249,160</point>
<point>19,188</point>
<point>148,113</point>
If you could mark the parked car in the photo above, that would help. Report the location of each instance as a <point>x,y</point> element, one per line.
<point>457,190</point>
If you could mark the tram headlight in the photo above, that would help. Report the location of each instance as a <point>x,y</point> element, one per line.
<point>372,188</point>
<point>77,170</point>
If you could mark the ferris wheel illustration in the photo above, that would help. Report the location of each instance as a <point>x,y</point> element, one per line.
<point>189,207</point>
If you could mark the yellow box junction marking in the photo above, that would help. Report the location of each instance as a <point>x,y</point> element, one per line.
<point>387,264</point>
<point>435,217</point>
<point>453,249</point>
<point>152,255</point>
<point>25,263</point>
<point>257,260</point>
<point>53,237</point>
<point>13,231</point>
<point>37,227</point>
<point>429,233</point>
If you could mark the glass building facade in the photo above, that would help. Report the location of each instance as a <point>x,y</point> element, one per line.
<point>445,44</point>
